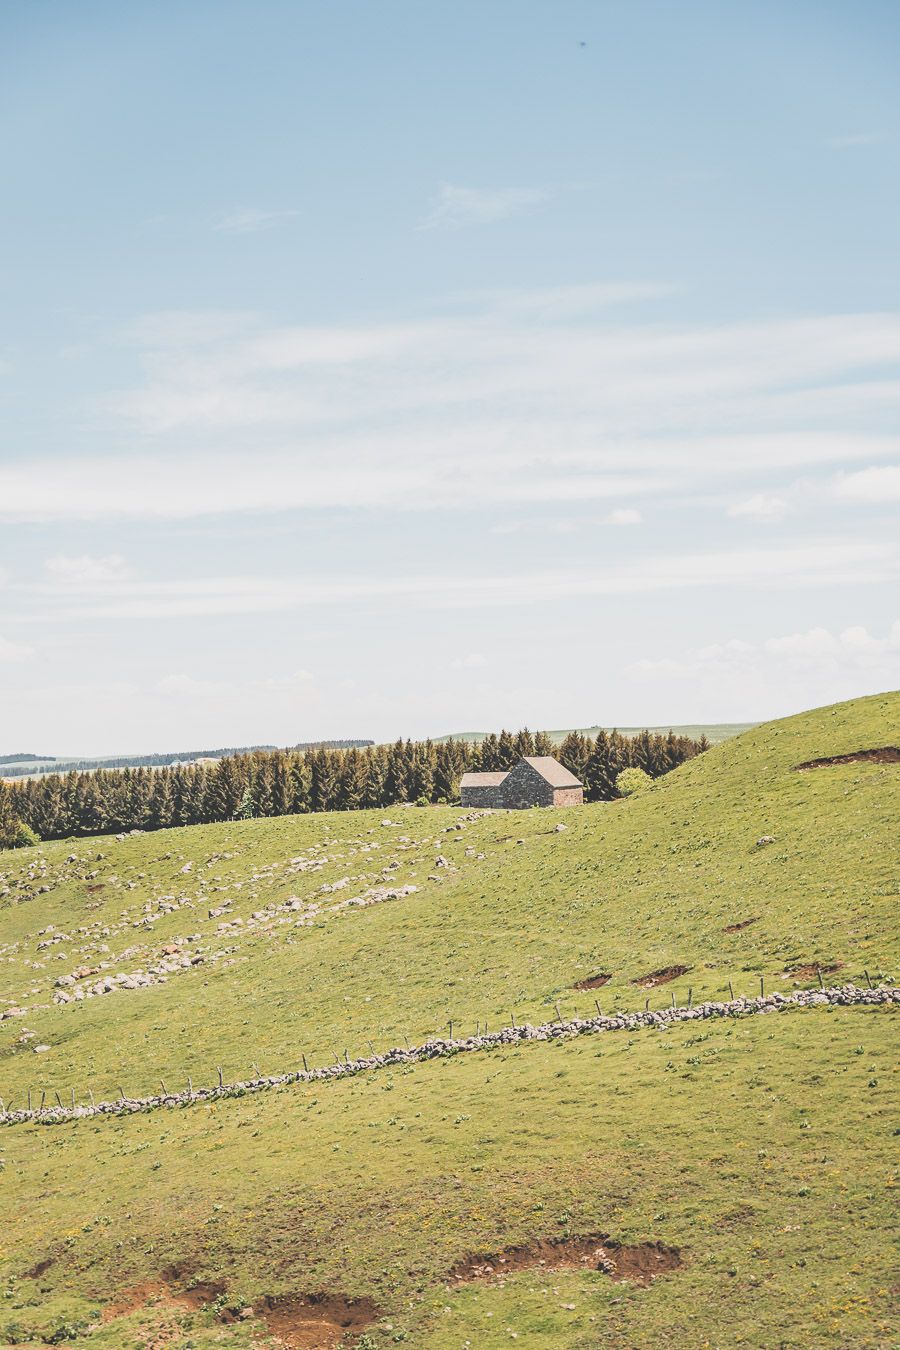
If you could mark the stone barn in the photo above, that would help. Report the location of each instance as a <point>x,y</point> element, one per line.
<point>537,780</point>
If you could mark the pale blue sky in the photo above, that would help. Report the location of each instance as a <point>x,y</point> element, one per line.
<point>394,368</point>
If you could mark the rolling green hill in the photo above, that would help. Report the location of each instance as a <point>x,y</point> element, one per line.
<point>760,1151</point>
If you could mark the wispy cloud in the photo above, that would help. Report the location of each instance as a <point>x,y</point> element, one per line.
<point>252,221</point>
<point>854,647</point>
<point>795,565</point>
<point>13,652</point>
<point>455,206</point>
<point>623,515</point>
<point>762,506</point>
<point>473,661</point>
<point>874,486</point>
<point>88,569</point>
<point>853,139</point>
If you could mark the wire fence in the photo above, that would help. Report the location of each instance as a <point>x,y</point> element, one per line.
<point>57,1112</point>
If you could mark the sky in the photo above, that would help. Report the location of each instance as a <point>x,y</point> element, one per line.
<point>401,368</point>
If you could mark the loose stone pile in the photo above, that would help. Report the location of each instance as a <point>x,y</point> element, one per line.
<point>839,996</point>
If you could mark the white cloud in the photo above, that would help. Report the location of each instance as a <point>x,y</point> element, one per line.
<point>854,139</point>
<point>252,221</point>
<point>13,652</point>
<point>186,686</point>
<point>624,515</point>
<point>568,301</point>
<point>762,507</point>
<point>794,565</point>
<point>459,206</point>
<point>497,406</point>
<point>853,649</point>
<point>86,569</point>
<point>474,661</point>
<point>875,486</point>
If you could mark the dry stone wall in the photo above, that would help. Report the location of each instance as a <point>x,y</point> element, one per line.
<point>838,996</point>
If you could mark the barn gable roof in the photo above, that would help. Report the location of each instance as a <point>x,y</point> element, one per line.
<point>552,772</point>
<point>483,779</point>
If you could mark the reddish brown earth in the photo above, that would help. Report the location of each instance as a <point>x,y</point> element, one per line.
<point>593,982</point>
<point>660,976</point>
<point>808,972</point>
<point>316,1321</point>
<point>297,1321</point>
<point>744,923</point>
<point>640,1263</point>
<point>885,754</point>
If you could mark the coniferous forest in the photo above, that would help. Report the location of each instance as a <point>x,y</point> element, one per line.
<point>288,782</point>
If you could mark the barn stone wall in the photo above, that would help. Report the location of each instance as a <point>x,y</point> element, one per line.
<point>568,797</point>
<point>523,787</point>
<point>484,798</point>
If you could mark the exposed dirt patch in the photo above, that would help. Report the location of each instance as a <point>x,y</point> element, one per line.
<point>744,923</point>
<point>660,976</point>
<point>885,754</point>
<point>640,1263</point>
<point>297,1321</point>
<point>138,1296</point>
<point>316,1321</point>
<point>97,886</point>
<point>593,982</point>
<point>40,1268</point>
<point>809,972</point>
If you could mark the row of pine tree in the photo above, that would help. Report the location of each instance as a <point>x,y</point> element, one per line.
<point>288,782</point>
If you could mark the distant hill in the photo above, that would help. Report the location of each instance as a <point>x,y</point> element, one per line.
<point>24,765</point>
<point>713,731</point>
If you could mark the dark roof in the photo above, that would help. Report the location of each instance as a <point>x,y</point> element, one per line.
<point>552,772</point>
<point>483,779</point>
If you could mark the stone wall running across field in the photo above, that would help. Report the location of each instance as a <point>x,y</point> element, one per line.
<point>847,995</point>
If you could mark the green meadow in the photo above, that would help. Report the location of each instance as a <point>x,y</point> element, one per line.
<point>763,1150</point>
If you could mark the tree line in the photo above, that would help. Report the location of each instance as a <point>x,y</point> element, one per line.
<point>26,765</point>
<point>290,782</point>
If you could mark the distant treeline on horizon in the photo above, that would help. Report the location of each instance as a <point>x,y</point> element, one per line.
<point>293,782</point>
<point>50,764</point>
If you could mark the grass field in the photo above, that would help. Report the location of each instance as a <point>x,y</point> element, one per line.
<point>763,1150</point>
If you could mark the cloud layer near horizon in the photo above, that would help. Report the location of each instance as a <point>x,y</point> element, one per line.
<point>522,398</point>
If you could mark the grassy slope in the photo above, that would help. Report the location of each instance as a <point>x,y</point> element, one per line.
<point>377,1186</point>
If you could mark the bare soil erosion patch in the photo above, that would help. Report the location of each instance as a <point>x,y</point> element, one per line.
<point>297,1321</point>
<point>640,1262</point>
<point>316,1321</point>
<point>660,976</point>
<point>744,923</point>
<point>811,970</point>
<point>885,754</point>
<point>593,982</point>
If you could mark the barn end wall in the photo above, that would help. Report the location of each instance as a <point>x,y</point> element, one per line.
<point>568,797</point>
<point>522,788</point>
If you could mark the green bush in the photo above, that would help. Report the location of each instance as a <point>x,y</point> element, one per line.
<point>24,836</point>
<point>630,781</point>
